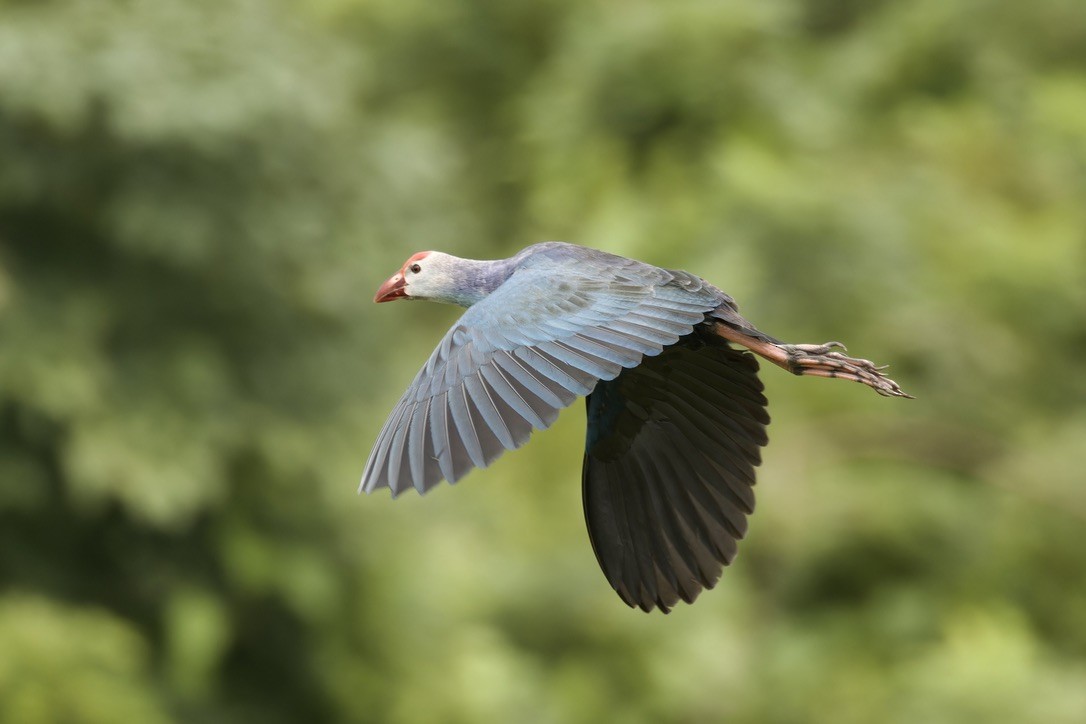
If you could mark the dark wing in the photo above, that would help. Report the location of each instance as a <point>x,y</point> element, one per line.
<point>669,466</point>
<point>544,337</point>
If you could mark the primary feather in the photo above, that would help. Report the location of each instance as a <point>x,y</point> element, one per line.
<point>668,469</point>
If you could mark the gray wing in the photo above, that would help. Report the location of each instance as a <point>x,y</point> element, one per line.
<point>513,360</point>
<point>669,469</point>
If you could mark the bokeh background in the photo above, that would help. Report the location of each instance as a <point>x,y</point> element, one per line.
<point>198,199</point>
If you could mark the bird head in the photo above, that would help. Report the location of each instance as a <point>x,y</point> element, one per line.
<point>410,282</point>
<point>440,277</point>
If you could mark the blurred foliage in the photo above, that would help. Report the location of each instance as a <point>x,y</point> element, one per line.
<point>197,200</point>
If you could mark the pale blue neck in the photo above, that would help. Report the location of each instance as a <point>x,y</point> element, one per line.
<point>479,279</point>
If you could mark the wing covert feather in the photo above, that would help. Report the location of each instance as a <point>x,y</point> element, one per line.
<point>547,335</point>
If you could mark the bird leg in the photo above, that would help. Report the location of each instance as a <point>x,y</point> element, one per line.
<point>816,360</point>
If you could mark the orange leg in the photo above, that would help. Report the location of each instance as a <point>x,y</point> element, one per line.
<point>816,360</point>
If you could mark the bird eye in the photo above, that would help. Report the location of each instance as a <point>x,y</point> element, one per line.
<point>415,268</point>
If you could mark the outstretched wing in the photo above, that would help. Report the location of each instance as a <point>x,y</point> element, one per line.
<point>668,469</point>
<point>514,359</point>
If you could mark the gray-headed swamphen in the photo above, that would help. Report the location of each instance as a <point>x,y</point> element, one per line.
<point>676,415</point>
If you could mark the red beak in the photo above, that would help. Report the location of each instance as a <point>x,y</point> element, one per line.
<point>394,288</point>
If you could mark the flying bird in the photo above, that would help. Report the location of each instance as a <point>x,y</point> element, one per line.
<point>676,413</point>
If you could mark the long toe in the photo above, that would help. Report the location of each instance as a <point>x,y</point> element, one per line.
<point>822,361</point>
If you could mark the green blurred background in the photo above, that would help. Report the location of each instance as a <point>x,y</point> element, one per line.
<point>198,199</point>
